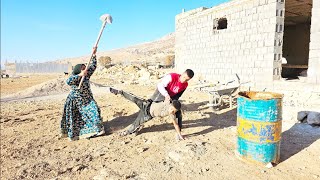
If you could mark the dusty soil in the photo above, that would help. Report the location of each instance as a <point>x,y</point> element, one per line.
<point>13,85</point>
<point>31,149</point>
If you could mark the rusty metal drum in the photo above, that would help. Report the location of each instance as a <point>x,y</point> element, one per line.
<point>259,123</point>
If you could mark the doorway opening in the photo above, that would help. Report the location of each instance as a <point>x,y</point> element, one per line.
<point>296,38</point>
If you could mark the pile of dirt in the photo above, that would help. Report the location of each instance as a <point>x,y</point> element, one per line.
<point>52,87</point>
<point>130,74</point>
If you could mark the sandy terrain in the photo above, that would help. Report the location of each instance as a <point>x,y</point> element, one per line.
<point>31,149</point>
<point>13,85</point>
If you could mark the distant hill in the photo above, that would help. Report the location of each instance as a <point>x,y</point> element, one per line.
<point>154,51</point>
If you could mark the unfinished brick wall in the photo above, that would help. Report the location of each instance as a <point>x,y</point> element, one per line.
<point>314,54</point>
<point>250,46</point>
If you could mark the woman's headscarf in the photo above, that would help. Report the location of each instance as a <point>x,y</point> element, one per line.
<point>77,69</point>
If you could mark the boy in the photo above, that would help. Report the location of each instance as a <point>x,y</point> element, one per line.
<point>172,87</point>
<point>149,110</point>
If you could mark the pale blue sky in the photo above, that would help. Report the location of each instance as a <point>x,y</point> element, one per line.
<point>42,30</point>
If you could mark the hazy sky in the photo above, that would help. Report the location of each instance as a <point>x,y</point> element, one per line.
<point>41,30</point>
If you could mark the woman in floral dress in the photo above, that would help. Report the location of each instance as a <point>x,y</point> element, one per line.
<point>81,116</point>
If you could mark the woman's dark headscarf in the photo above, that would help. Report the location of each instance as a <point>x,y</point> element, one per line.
<point>77,69</point>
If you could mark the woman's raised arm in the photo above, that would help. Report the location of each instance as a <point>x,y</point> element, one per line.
<point>73,80</point>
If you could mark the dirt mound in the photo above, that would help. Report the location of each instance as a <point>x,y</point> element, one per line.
<point>52,87</point>
<point>130,74</point>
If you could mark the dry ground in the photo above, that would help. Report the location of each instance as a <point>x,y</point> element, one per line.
<point>30,148</point>
<point>13,85</point>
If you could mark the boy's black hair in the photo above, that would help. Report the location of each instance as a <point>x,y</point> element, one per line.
<point>190,73</point>
<point>176,104</point>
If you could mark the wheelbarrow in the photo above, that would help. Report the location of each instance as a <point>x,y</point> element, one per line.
<point>221,94</point>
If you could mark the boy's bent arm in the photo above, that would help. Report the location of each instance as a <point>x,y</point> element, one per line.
<point>163,84</point>
<point>176,126</point>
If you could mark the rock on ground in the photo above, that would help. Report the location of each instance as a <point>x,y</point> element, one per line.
<point>310,117</point>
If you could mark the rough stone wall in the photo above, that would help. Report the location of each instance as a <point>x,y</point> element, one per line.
<point>314,54</point>
<point>251,46</point>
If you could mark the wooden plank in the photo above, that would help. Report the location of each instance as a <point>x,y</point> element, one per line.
<point>294,66</point>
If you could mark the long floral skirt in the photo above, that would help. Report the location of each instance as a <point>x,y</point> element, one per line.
<point>81,118</point>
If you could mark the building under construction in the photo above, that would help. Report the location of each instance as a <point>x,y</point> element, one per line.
<point>251,38</point>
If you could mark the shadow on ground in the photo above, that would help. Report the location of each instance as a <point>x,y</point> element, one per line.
<point>119,123</point>
<point>296,139</point>
<point>212,121</point>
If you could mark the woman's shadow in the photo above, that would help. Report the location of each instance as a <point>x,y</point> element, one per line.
<point>118,123</point>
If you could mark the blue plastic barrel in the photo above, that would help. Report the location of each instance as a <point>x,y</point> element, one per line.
<point>259,122</point>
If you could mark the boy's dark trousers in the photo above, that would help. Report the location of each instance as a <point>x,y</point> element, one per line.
<point>144,113</point>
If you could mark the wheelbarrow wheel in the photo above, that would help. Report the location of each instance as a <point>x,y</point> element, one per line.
<point>214,101</point>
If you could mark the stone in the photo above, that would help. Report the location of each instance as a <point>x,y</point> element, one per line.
<point>104,172</point>
<point>104,71</point>
<point>313,118</point>
<point>144,75</point>
<point>174,156</point>
<point>79,167</point>
<point>141,150</point>
<point>302,115</point>
<point>98,154</point>
<point>310,117</point>
<point>168,168</point>
<point>206,169</point>
<point>269,165</point>
<point>132,175</point>
<point>316,176</point>
<point>99,177</point>
<point>124,142</point>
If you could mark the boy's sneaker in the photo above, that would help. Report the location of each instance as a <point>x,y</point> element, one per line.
<point>124,133</point>
<point>136,132</point>
<point>115,91</point>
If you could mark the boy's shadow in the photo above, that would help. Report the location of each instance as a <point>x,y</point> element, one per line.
<point>121,122</point>
<point>294,140</point>
<point>212,121</point>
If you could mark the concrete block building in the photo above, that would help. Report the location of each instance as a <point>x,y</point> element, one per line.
<point>251,38</point>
